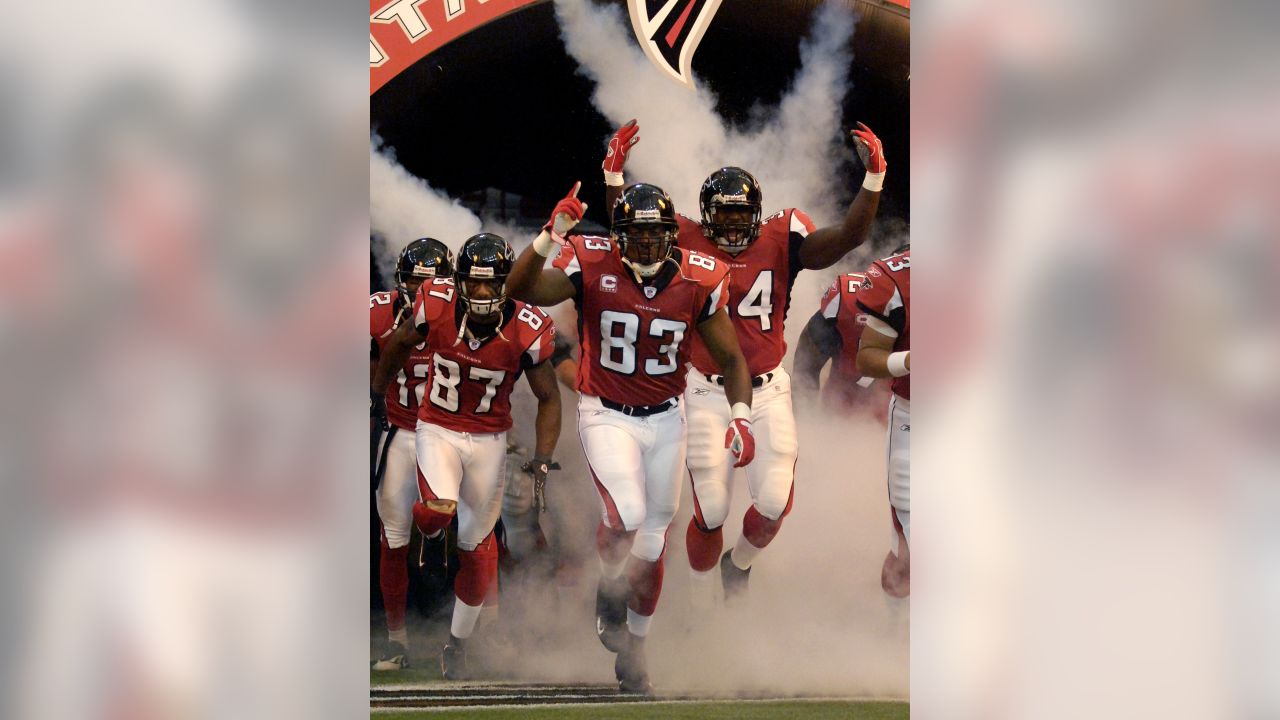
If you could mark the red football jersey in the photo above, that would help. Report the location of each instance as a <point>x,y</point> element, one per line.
<point>886,294</point>
<point>838,304</point>
<point>470,385</point>
<point>760,280</point>
<point>404,395</point>
<point>634,339</point>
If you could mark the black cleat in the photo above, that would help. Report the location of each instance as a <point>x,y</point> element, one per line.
<point>630,667</point>
<point>735,580</point>
<point>394,657</point>
<point>611,613</point>
<point>453,661</point>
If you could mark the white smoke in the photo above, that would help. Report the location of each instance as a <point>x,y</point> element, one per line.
<point>794,149</point>
<point>403,208</point>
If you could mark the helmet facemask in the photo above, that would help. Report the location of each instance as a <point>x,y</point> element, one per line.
<point>482,305</point>
<point>408,282</point>
<point>645,246</point>
<point>731,226</point>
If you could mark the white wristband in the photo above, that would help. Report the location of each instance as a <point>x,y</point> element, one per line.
<point>544,244</point>
<point>740,411</point>
<point>873,181</point>
<point>613,179</point>
<point>897,363</point>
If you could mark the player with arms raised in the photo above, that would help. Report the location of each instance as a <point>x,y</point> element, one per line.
<point>394,463</point>
<point>638,298</point>
<point>764,256</point>
<point>479,342</point>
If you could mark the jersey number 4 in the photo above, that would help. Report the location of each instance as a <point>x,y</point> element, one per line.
<point>618,333</point>
<point>758,302</point>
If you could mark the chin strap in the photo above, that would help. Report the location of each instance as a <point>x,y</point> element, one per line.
<point>462,328</point>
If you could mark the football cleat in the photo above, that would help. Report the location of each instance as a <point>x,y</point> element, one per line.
<point>734,579</point>
<point>631,669</point>
<point>611,614</point>
<point>453,661</point>
<point>394,657</point>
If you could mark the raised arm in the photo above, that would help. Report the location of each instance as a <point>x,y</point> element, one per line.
<point>615,157</point>
<point>528,280</point>
<point>825,246</point>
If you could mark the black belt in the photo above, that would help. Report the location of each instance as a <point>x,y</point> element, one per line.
<point>638,410</point>
<point>757,381</point>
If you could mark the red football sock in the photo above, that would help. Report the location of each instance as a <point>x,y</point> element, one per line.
<point>393,578</point>
<point>477,572</point>
<point>704,546</point>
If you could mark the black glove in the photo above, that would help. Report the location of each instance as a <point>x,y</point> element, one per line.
<point>538,468</point>
<point>378,409</point>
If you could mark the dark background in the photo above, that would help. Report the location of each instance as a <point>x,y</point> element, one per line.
<point>503,107</point>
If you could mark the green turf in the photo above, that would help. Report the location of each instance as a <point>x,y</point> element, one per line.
<point>680,711</point>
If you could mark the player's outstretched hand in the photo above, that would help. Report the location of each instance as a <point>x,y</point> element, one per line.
<point>568,212</point>
<point>740,441</point>
<point>616,156</point>
<point>870,151</point>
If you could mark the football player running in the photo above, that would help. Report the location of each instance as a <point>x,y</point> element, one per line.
<point>394,455</point>
<point>480,341</point>
<point>764,256</point>
<point>885,352</point>
<point>638,298</point>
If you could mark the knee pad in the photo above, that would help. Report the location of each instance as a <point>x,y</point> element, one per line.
<point>613,543</point>
<point>703,545</point>
<point>649,545</point>
<point>434,515</point>
<point>477,571</point>
<point>711,505</point>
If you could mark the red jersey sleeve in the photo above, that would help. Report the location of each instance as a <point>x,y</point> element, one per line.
<point>830,303</point>
<point>879,296</point>
<point>566,259</point>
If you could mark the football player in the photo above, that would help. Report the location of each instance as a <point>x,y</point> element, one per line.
<point>639,299</point>
<point>479,341</point>
<point>885,352</point>
<point>832,335</point>
<point>394,464</point>
<point>765,255</point>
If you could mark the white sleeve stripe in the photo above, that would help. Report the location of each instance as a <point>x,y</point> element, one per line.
<point>537,350</point>
<point>894,303</point>
<point>881,326</point>
<point>832,307</point>
<point>420,317</point>
<point>713,303</point>
<point>797,225</point>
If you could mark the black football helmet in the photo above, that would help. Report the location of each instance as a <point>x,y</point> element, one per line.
<point>485,258</point>
<point>731,188</point>
<point>644,223</point>
<point>422,259</point>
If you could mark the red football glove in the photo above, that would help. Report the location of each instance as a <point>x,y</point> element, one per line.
<point>568,212</point>
<point>870,151</point>
<point>739,441</point>
<point>619,145</point>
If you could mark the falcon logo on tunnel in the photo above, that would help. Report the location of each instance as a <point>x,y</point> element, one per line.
<point>670,30</point>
